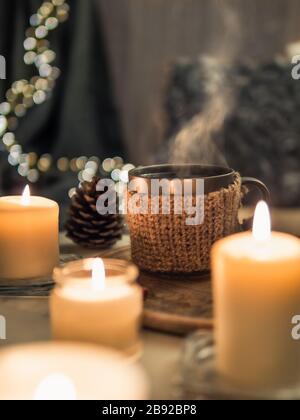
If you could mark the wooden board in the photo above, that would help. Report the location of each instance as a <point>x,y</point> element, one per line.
<point>177,304</point>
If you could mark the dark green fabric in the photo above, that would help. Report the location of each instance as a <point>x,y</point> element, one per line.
<point>81,117</point>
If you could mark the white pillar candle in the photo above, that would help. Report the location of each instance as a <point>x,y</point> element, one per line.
<point>29,246</point>
<point>256,280</point>
<point>63,371</point>
<point>98,309</point>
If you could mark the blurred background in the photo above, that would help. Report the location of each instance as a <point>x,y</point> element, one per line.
<point>148,81</point>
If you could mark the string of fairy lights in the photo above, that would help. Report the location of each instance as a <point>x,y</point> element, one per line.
<point>24,94</point>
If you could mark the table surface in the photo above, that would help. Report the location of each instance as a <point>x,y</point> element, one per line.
<point>28,320</point>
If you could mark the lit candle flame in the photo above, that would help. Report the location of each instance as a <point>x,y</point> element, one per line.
<point>262,223</point>
<point>25,200</point>
<point>56,387</point>
<point>98,275</point>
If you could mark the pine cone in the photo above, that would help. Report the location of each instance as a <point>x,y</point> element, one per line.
<point>86,226</point>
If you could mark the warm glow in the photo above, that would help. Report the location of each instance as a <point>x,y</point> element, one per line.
<point>98,275</point>
<point>55,387</point>
<point>262,222</point>
<point>26,196</point>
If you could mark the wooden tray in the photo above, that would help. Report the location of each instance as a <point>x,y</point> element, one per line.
<point>177,304</point>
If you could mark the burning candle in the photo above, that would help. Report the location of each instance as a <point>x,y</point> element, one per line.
<point>56,387</point>
<point>256,279</point>
<point>28,237</point>
<point>90,306</point>
<point>66,371</point>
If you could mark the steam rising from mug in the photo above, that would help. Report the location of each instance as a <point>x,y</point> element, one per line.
<point>197,141</point>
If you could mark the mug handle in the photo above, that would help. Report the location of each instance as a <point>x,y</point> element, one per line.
<point>265,195</point>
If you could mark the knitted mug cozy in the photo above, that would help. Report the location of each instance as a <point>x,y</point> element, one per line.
<point>166,244</point>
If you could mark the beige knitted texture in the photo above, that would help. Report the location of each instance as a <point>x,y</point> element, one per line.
<point>165,243</point>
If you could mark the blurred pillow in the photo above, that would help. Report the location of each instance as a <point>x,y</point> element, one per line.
<point>261,133</point>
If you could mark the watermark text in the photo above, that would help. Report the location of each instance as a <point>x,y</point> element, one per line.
<point>2,328</point>
<point>296,328</point>
<point>2,67</point>
<point>154,197</point>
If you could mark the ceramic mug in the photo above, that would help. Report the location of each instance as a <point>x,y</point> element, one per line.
<point>164,242</point>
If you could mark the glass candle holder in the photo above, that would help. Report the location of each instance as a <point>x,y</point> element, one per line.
<point>97,301</point>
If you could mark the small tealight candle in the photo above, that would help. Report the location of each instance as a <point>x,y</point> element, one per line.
<point>90,305</point>
<point>28,237</point>
<point>69,371</point>
<point>256,280</point>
